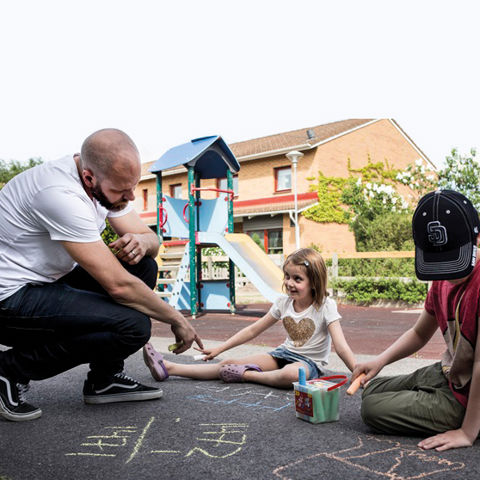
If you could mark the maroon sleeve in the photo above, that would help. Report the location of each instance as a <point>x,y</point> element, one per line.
<point>429,301</point>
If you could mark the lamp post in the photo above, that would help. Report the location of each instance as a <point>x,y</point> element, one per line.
<point>293,156</point>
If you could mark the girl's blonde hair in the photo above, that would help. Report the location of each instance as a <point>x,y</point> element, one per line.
<point>316,270</point>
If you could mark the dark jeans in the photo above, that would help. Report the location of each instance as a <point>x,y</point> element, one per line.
<point>54,327</point>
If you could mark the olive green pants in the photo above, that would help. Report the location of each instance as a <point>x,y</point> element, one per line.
<point>415,404</point>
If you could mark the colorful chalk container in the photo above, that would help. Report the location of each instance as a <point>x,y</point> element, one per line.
<point>317,401</point>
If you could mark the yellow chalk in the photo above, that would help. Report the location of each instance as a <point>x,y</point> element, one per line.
<point>174,346</point>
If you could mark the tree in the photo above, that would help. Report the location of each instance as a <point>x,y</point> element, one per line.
<point>10,169</point>
<point>378,215</point>
<point>462,173</point>
<point>108,235</point>
<point>256,238</point>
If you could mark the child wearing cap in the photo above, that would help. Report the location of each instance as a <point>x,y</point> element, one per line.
<point>441,400</point>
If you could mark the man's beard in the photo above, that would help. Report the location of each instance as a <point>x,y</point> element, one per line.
<point>97,194</point>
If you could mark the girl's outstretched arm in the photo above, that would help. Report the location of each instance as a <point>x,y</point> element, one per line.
<point>241,337</point>
<point>342,348</point>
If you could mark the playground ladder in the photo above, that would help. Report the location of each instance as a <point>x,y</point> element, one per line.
<point>173,273</point>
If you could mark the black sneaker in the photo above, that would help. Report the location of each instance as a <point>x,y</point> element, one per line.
<point>120,389</point>
<point>12,402</point>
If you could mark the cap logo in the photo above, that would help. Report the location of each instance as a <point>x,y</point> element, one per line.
<point>437,233</point>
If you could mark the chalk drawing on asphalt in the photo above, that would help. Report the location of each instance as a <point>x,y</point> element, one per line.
<point>212,440</point>
<point>245,396</point>
<point>381,458</point>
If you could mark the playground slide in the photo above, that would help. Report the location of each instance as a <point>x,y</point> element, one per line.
<point>251,260</point>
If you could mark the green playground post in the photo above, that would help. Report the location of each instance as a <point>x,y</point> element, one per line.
<point>198,249</point>
<point>231,265</point>
<point>159,204</point>
<point>191,245</point>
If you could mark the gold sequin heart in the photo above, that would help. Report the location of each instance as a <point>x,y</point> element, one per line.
<point>299,332</point>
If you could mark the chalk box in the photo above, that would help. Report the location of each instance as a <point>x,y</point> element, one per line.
<point>314,403</point>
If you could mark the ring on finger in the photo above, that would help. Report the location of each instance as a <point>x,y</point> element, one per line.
<point>133,252</point>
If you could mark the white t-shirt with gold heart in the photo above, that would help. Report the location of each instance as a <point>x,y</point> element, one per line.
<point>307,332</point>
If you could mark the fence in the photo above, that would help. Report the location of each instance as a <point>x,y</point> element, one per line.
<point>333,270</point>
<point>216,267</point>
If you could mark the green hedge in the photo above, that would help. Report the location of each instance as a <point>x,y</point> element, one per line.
<point>366,291</point>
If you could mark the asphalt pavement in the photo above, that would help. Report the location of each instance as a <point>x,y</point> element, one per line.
<point>203,429</point>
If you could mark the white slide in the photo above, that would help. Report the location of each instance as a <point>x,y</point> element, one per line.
<point>257,266</point>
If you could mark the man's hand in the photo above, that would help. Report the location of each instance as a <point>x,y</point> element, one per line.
<point>130,248</point>
<point>185,333</point>
<point>446,441</point>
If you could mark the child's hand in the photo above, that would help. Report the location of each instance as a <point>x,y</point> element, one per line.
<point>447,440</point>
<point>370,369</point>
<point>210,354</point>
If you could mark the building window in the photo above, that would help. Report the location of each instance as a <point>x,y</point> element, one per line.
<point>176,190</point>
<point>222,185</point>
<point>271,241</point>
<point>283,179</point>
<point>275,241</point>
<point>145,199</point>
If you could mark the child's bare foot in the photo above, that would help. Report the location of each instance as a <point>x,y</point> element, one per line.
<point>168,365</point>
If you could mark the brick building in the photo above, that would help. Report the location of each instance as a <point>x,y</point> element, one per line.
<point>264,200</point>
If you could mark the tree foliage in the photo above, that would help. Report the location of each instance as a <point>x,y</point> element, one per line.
<point>462,173</point>
<point>378,213</point>
<point>10,169</point>
<point>108,235</point>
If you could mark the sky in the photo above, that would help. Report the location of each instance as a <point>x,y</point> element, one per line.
<point>166,72</point>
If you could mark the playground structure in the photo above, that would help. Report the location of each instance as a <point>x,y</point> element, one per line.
<point>201,223</point>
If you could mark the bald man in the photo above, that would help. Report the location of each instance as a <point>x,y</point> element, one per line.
<point>66,298</point>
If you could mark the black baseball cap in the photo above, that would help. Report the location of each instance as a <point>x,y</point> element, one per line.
<point>445,226</point>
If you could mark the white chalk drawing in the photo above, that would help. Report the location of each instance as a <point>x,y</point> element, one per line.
<point>381,458</point>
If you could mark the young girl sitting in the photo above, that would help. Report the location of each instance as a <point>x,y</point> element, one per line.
<point>310,318</point>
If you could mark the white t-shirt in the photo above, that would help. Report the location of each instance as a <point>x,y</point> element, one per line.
<point>307,332</point>
<point>39,208</point>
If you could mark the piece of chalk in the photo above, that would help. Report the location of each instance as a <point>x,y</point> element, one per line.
<point>174,346</point>
<point>302,379</point>
<point>199,357</point>
<point>355,385</point>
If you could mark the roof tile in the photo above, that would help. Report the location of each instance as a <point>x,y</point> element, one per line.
<point>294,138</point>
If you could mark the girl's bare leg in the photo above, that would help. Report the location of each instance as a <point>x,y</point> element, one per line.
<point>265,361</point>
<point>205,371</point>
<point>280,378</point>
<point>209,371</point>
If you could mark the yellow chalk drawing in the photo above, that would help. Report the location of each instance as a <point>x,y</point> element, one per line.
<point>165,451</point>
<point>217,440</point>
<point>90,455</point>
<point>208,454</point>
<point>140,439</point>
<point>117,437</point>
<point>387,452</point>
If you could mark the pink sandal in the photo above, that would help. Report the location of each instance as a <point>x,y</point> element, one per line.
<point>154,361</point>
<point>233,373</point>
